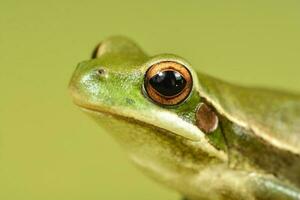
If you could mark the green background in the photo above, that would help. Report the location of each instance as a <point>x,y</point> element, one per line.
<point>50,150</point>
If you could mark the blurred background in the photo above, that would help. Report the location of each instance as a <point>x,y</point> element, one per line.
<point>50,150</point>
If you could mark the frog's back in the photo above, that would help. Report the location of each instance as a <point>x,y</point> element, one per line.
<point>263,127</point>
<point>275,115</point>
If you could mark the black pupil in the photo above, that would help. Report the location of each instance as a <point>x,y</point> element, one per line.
<point>168,83</point>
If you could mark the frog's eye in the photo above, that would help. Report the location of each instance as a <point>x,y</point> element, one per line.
<point>168,83</point>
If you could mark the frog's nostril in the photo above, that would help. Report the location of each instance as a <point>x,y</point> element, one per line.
<point>101,72</point>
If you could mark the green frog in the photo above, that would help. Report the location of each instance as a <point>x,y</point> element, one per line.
<point>203,137</point>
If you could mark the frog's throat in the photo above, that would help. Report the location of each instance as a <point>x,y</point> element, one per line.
<point>182,128</point>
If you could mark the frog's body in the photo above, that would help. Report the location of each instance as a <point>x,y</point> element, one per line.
<point>253,152</point>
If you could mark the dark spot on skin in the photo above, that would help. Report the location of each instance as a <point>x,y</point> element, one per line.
<point>130,101</point>
<point>206,118</point>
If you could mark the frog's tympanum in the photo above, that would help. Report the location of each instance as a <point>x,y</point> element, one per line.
<point>204,137</point>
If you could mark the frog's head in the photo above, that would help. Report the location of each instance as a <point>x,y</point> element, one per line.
<point>148,104</point>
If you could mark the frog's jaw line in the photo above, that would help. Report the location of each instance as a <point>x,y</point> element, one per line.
<point>179,128</point>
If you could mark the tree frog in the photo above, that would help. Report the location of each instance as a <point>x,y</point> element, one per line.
<point>204,137</point>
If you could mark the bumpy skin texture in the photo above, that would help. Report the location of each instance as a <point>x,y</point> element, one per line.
<point>253,154</point>
<point>264,125</point>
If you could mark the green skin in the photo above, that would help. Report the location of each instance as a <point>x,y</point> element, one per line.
<point>253,154</point>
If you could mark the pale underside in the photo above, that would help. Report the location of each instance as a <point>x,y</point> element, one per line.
<point>190,173</point>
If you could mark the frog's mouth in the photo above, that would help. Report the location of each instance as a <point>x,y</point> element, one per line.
<point>102,113</point>
<point>97,112</point>
<point>171,123</point>
<point>108,112</point>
